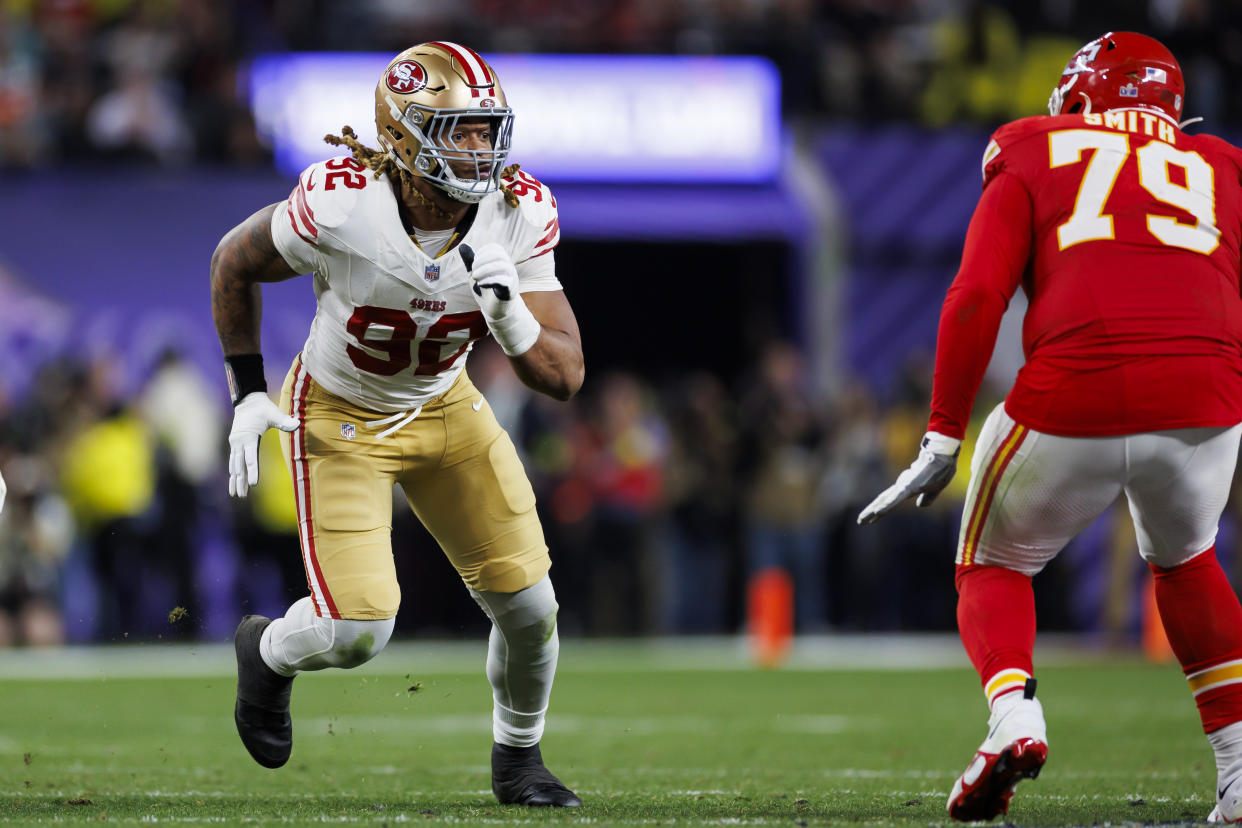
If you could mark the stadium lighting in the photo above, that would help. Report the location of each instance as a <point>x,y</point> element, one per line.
<point>589,118</point>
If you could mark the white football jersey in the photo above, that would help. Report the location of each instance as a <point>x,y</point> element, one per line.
<point>394,322</point>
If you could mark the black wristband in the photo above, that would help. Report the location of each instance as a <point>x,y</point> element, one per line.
<point>245,375</point>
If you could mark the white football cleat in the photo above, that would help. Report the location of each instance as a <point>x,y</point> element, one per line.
<point>1228,801</point>
<point>1015,749</point>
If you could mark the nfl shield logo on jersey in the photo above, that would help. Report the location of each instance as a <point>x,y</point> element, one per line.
<point>347,431</point>
<point>432,273</point>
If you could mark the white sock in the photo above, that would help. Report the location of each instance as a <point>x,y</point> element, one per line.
<point>1227,744</point>
<point>521,660</point>
<point>303,640</point>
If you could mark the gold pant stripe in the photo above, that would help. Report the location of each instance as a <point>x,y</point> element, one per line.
<point>324,605</point>
<point>987,490</point>
<point>1224,672</point>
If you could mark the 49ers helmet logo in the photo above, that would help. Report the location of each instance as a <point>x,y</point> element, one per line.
<point>406,77</point>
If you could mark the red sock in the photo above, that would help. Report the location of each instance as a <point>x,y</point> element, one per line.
<point>996,617</point>
<point>1203,621</point>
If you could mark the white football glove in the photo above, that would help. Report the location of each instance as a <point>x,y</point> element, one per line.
<point>926,477</point>
<point>255,414</point>
<point>495,283</point>
<point>3,490</point>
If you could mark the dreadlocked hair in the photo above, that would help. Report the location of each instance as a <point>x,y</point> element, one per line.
<point>382,164</point>
<point>510,196</point>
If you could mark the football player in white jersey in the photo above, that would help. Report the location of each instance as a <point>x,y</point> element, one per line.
<point>418,250</point>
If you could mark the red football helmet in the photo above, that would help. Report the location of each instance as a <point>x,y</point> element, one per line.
<point>1120,70</point>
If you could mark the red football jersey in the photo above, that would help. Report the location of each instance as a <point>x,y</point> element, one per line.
<point>1124,232</point>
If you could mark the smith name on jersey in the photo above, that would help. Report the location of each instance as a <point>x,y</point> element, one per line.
<point>395,321</point>
<point>1124,232</point>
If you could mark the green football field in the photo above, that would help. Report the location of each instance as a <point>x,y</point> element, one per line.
<point>863,730</point>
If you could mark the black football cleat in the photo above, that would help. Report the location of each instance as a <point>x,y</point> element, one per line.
<point>519,778</point>
<point>262,711</point>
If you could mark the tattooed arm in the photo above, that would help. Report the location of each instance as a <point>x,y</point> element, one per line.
<point>245,257</point>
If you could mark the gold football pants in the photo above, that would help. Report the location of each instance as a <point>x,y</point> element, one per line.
<point>461,476</point>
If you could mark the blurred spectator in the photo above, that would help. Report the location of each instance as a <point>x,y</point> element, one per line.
<point>140,119</point>
<point>788,34</point>
<point>783,462</point>
<point>856,464</point>
<point>855,456</point>
<point>976,69</point>
<point>618,457</point>
<point>272,574</point>
<point>20,68</point>
<point>701,499</point>
<point>181,410</point>
<point>140,115</point>
<point>915,552</point>
<point>35,534</point>
<point>108,480</point>
<point>545,438</point>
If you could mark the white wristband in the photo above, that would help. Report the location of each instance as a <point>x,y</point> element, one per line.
<point>517,330</point>
<point>938,443</point>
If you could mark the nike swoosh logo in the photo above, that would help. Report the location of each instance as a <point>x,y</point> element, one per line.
<point>992,732</point>
<point>1220,794</point>
<point>310,184</point>
<point>477,404</point>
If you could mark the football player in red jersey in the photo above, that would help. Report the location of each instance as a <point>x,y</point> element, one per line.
<point>1124,232</point>
<point>419,250</point>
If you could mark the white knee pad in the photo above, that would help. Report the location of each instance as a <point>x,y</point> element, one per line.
<point>529,614</point>
<point>303,640</point>
<point>521,660</point>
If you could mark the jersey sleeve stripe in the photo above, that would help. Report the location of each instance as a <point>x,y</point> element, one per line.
<point>309,232</point>
<point>305,202</point>
<point>293,222</point>
<point>554,231</point>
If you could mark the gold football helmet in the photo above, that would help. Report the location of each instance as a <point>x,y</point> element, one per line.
<point>425,93</point>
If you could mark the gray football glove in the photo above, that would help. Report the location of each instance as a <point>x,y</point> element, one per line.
<point>926,477</point>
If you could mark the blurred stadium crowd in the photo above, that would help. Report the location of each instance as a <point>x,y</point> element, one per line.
<point>659,504</point>
<point>159,79</point>
<point>658,501</point>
